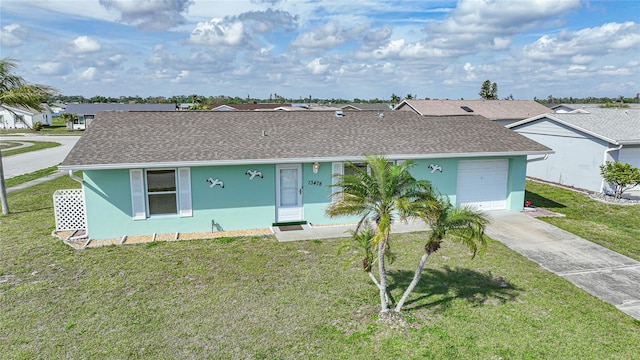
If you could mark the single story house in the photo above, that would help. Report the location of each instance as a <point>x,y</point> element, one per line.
<point>583,141</point>
<point>366,106</point>
<point>503,112</point>
<point>87,112</point>
<point>181,172</point>
<point>247,107</point>
<point>565,108</point>
<point>20,117</point>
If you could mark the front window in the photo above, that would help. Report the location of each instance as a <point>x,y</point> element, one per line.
<point>351,168</point>
<point>161,192</point>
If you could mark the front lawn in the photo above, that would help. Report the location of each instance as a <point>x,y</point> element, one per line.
<point>255,298</point>
<point>616,227</point>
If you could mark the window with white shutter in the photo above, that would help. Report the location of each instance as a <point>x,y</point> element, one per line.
<point>160,192</point>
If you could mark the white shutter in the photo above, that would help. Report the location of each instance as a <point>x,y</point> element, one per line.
<point>137,194</point>
<point>337,170</point>
<point>184,188</point>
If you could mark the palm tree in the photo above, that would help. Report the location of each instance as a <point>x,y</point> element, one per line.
<point>15,91</point>
<point>463,224</point>
<point>362,246</point>
<point>380,194</point>
<point>68,119</point>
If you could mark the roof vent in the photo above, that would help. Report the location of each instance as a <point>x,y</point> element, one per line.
<point>466,108</point>
<point>381,115</point>
<point>339,113</point>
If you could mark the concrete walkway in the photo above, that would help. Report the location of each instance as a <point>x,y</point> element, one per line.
<point>599,271</point>
<point>37,181</point>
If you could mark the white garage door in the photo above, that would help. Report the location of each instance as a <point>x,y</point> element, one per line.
<point>483,184</point>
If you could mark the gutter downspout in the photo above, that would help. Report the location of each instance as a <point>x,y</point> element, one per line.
<point>604,161</point>
<point>74,177</point>
<point>545,157</point>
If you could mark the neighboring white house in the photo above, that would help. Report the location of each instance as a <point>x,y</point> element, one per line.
<point>18,117</point>
<point>582,142</point>
<point>87,112</point>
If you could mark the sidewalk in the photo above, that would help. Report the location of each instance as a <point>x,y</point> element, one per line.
<point>36,181</point>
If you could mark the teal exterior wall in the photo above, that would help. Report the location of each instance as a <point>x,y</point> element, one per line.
<point>248,204</point>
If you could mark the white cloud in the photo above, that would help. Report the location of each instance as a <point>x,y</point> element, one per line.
<point>587,43</point>
<point>52,68</point>
<point>327,36</point>
<point>85,44</point>
<point>318,66</point>
<point>150,15</point>
<point>88,74</point>
<point>13,35</point>
<point>469,69</point>
<point>217,32</point>
<point>183,74</point>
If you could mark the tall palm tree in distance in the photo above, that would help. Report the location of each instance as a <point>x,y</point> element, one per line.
<point>15,91</point>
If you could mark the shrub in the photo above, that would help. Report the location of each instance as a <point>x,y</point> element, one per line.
<point>37,126</point>
<point>622,176</point>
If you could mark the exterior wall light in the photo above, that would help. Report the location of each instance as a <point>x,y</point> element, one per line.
<point>316,166</point>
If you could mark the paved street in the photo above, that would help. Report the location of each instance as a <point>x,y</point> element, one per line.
<point>35,160</point>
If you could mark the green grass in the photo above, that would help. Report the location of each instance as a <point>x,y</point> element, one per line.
<point>57,128</point>
<point>37,145</point>
<point>616,227</point>
<point>20,179</point>
<point>255,298</point>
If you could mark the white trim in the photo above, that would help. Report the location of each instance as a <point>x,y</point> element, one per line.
<point>138,195</point>
<point>293,160</point>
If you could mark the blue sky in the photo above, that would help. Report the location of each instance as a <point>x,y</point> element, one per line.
<point>327,49</point>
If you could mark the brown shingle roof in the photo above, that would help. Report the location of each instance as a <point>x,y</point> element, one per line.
<point>126,138</point>
<point>491,109</point>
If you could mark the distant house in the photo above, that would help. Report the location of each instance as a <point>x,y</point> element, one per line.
<point>18,117</point>
<point>503,112</point>
<point>566,108</point>
<point>366,106</point>
<point>239,170</point>
<point>87,112</point>
<point>247,107</point>
<point>582,142</point>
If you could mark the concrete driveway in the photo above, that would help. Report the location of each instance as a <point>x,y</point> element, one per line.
<point>28,162</point>
<point>599,271</point>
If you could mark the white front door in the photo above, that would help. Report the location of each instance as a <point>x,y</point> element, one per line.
<point>289,193</point>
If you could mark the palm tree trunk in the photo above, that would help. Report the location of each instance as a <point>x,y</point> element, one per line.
<point>3,190</point>
<point>375,281</point>
<point>384,304</point>
<point>414,282</point>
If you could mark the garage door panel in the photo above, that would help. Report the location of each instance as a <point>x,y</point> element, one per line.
<point>483,184</point>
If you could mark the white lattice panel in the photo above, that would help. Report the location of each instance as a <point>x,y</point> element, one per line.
<point>68,207</point>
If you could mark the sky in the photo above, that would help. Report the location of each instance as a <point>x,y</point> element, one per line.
<point>336,49</point>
